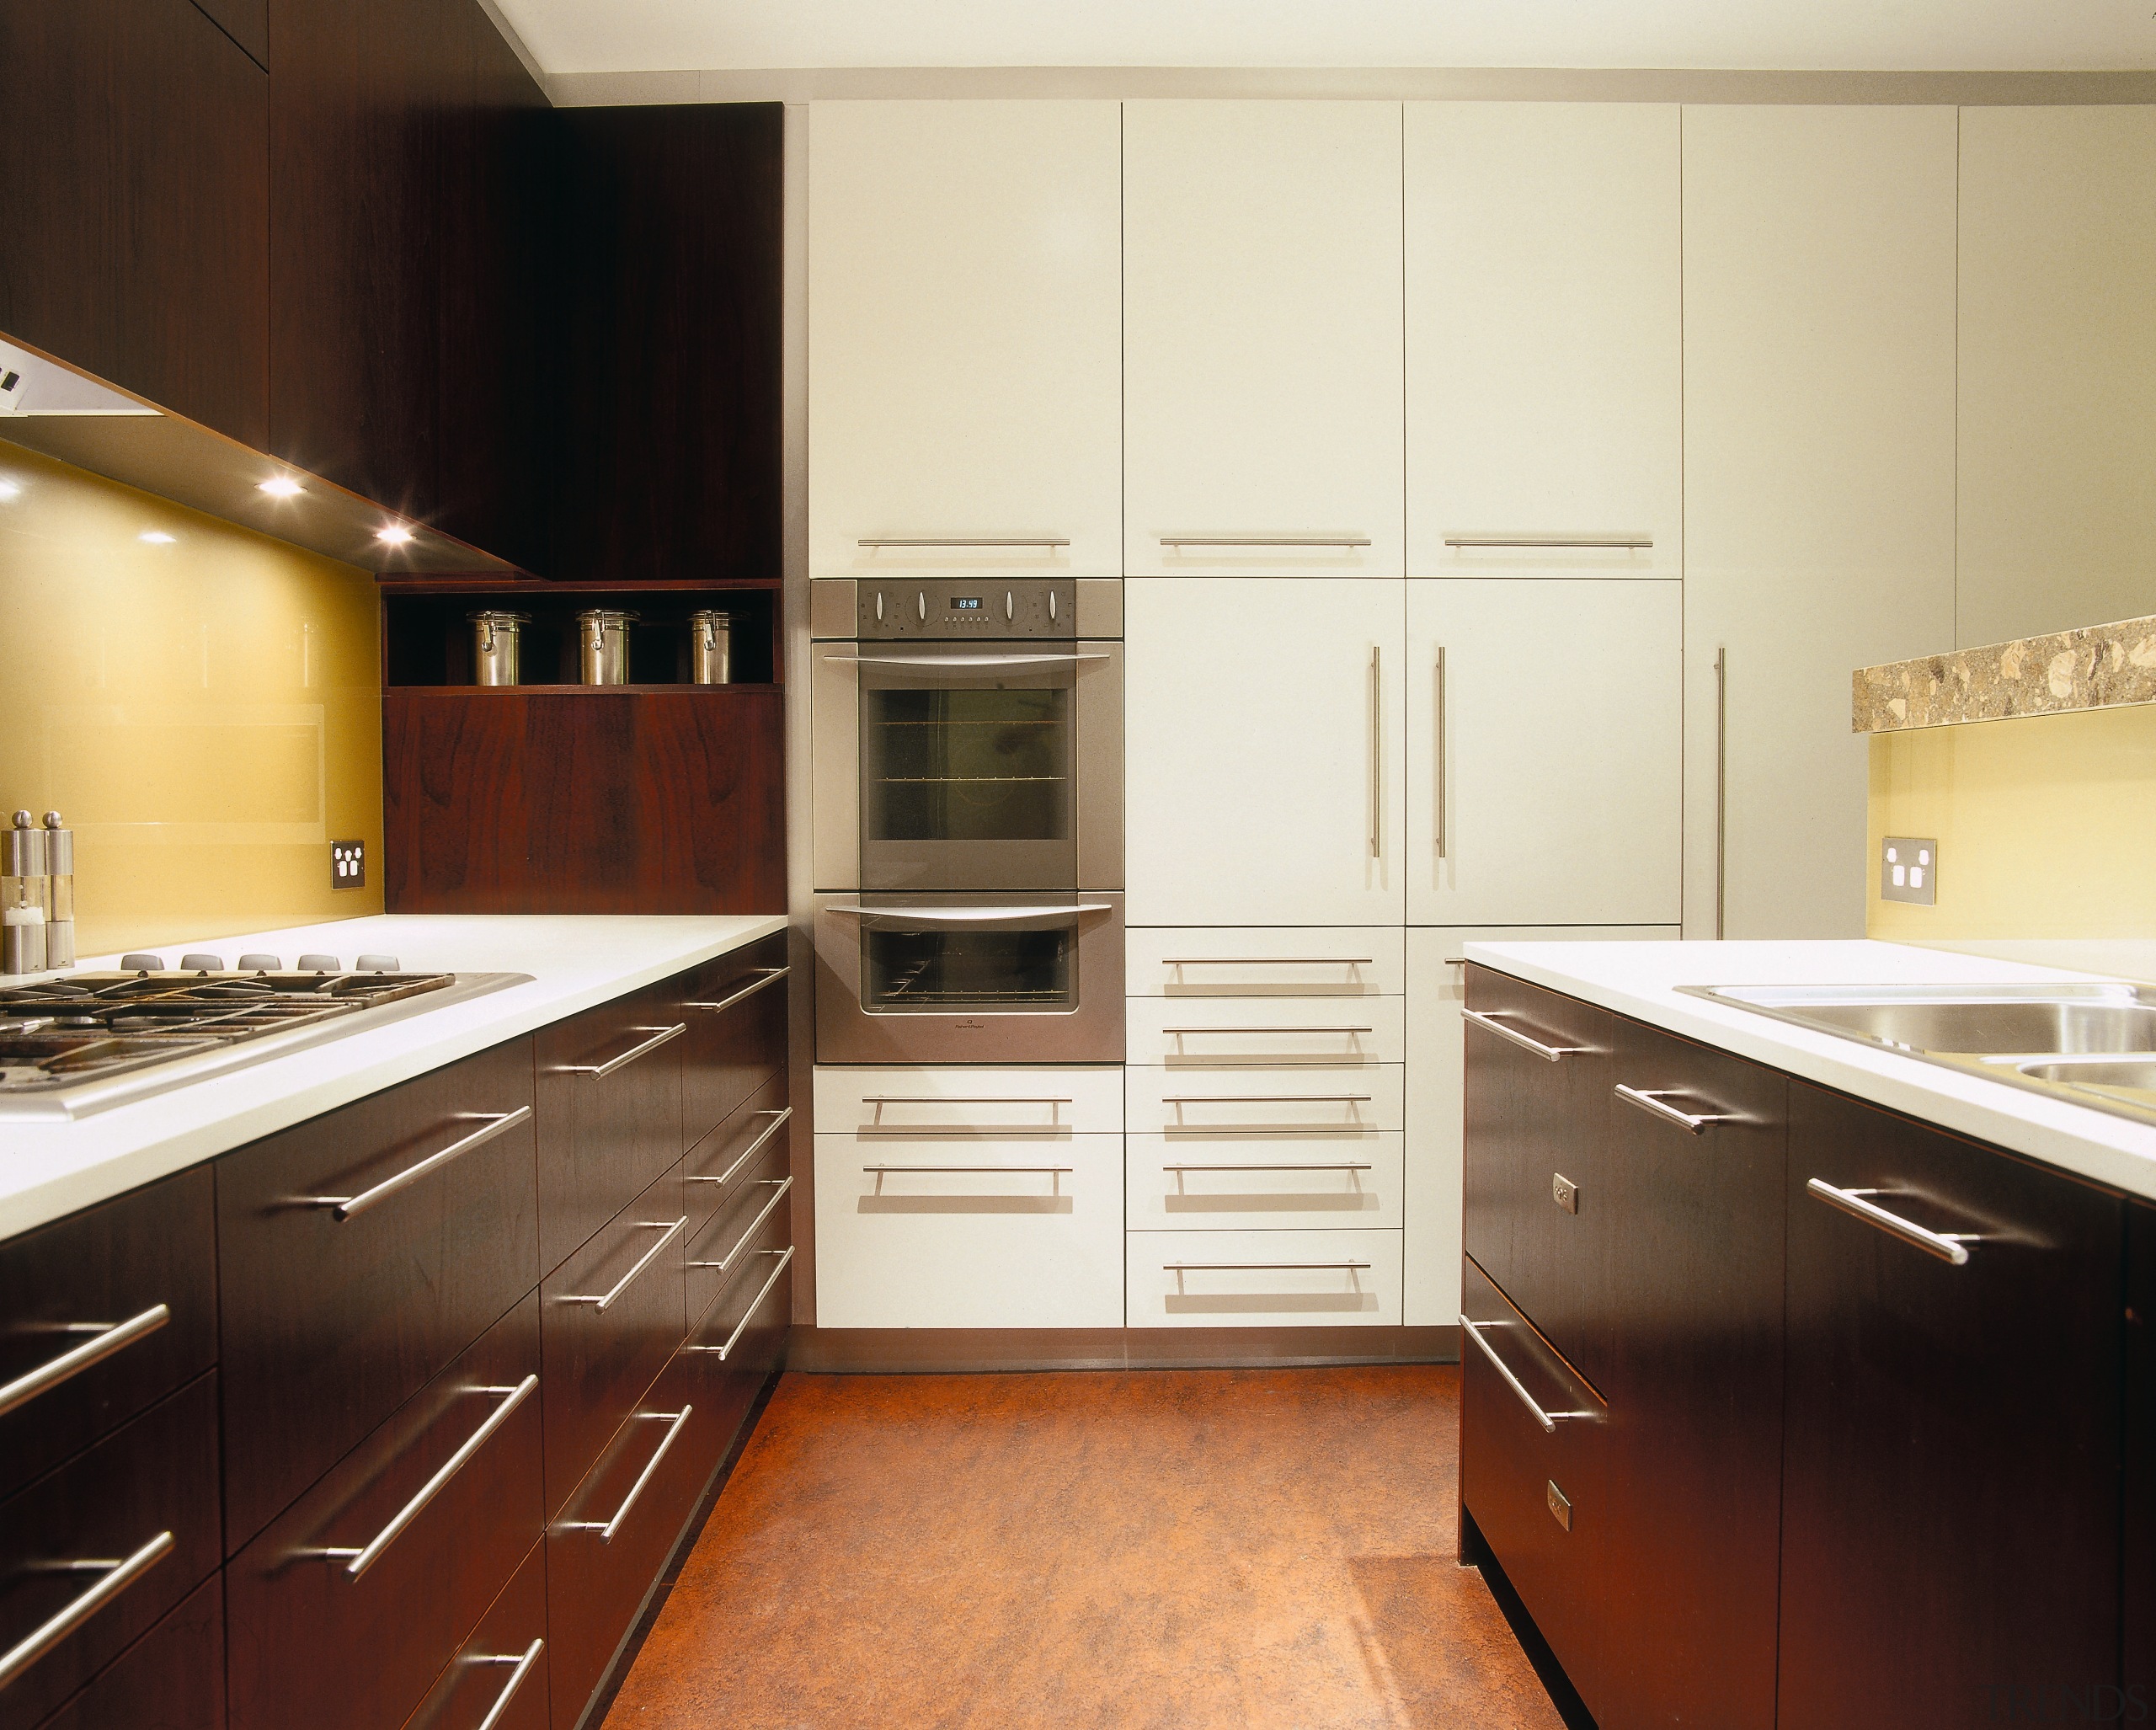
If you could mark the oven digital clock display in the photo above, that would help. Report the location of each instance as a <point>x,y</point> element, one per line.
<point>965,603</point>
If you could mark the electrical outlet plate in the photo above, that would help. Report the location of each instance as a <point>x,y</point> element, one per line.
<point>1564,1191</point>
<point>348,864</point>
<point>1908,869</point>
<point>1560,1504</point>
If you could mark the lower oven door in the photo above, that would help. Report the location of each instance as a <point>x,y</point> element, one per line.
<point>970,978</point>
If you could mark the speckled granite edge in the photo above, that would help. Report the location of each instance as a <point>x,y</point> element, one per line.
<point>2098,667</point>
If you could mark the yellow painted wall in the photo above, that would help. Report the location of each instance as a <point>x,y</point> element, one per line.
<point>2045,825</point>
<point>204,710</point>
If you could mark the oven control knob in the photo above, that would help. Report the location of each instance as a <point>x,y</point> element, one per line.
<point>879,607</point>
<point>260,964</point>
<point>921,601</point>
<point>317,963</point>
<point>143,964</point>
<point>201,964</point>
<point>376,964</point>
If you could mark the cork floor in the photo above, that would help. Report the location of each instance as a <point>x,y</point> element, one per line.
<point>1169,1548</point>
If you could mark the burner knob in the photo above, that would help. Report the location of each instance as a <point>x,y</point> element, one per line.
<point>318,964</point>
<point>260,964</point>
<point>143,964</point>
<point>200,962</point>
<point>378,963</point>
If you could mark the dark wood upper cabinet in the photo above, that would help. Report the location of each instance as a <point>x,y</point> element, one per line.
<point>247,22</point>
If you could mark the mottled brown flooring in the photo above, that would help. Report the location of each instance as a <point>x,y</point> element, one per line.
<point>1171,1548</point>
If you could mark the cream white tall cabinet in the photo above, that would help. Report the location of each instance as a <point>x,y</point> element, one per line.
<point>1819,484</point>
<point>1544,302</point>
<point>1262,338</point>
<point>965,337</point>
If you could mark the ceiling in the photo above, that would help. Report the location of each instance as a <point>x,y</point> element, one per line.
<point>568,36</point>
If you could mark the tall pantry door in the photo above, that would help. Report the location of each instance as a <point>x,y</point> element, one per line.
<point>1819,482</point>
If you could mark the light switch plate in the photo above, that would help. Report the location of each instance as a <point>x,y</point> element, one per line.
<point>1564,1191</point>
<point>1908,869</point>
<point>348,864</point>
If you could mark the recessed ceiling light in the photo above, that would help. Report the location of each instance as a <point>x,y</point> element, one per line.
<point>396,534</point>
<point>156,537</point>
<point>282,486</point>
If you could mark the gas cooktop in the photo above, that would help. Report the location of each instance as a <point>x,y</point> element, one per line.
<point>88,1041</point>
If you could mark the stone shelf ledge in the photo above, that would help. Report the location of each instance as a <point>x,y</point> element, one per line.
<point>2096,667</point>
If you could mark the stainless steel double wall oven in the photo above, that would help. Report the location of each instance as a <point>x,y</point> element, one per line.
<point>967,761</point>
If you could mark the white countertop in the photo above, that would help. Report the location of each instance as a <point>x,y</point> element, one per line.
<point>50,1169</point>
<point>1639,980</point>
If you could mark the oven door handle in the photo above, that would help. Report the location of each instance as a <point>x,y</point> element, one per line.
<point>964,660</point>
<point>974,916</point>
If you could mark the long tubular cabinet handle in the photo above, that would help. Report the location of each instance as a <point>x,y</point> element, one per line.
<point>358,1562</point>
<point>883,1170</point>
<point>1268,1030</point>
<point>1278,1166</point>
<point>523,1662</point>
<point>967,660</point>
<point>659,1036</point>
<point>1265,1098</point>
<point>1179,542</point>
<point>740,1243</point>
<point>1269,961</point>
<point>882,1099</point>
<point>1377,753</point>
<point>772,976</point>
<point>344,1207</point>
<point>1721,793</point>
<point>1265,1267</point>
<point>118,1576</point>
<point>778,1121</point>
<point>1947,1246</point>
<point>1628,544</point>
<point>755,1303</point>
<point>1440,790</point>
<point>962,540</point>
<point>975,915</point>
<point>1548,1420</point>
<point>1548,1054</point>
<point>605,1301</point>
<point>108,1339</point>
<point>674,1422</point>
<point>1651,1100</point>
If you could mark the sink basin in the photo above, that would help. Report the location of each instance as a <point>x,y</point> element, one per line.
<point>1995,1021</point>
<point>2134,1082</point>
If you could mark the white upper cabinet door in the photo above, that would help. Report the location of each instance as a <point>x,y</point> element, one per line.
<point>1261,333</point>
<point>1819,482</point>
<point>1544,364</point>
<point>2058,401</point>
<point>1545,752</point>
<point>1263,722</point>
<point>965,356</point>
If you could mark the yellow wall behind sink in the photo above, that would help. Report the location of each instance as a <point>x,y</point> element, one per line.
<point>206,711</point>
<point>2046,826</point>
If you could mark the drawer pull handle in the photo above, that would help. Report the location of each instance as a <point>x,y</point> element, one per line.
<point>754,1224</point>
<point>1054,1127</point>
<point>605,1301</point>
<point>358,1562</point>
<point>777,1122</point>
<point>880,1100</point>
<point>1652,1101</point>
<point>1176,543</point>
<point>1548,1420</point>
<point>1054,1174</point>
<point>1269,961</point>
<point>1180,1031</point>
<point>493,1123</point>
<point>1264,1266</point>
<point>1265,1098</point>
<point>1548,1054</point>
<point>1278,1166</point>
<point>874,540</point>
<point>659,1036</point>
<point>772,976</point>
<point>675,1422</point>
<point>523,1661</point>
<point>118,1576</point>
<point>1623,543</point>
<point>755,1303</point>
<point>1947,1246</point>
<point>110,1337</point>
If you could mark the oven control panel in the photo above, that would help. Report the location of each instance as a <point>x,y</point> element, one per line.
<point>957,608</point>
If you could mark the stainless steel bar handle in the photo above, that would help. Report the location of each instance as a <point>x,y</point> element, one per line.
<point>673,1422</point>
<point>1267,1030</point>
<point>1651,1100</point>
<point>741,1242</point>
<point>778,1121</point>
<point>755,1303</point>
<point>605,1301</point>
<point>1441,742</point>
<point>976,915</point>
<point>1278,1165</point>
<point>962,540</point>
<point>659,1036</point>
<point>1377,753</point>
<point>969,660</point>
<point>118,1577</point>
<point>1947,1246</point>
<point>345,1207</point>
<point>1548,1420</point>
<point>1265,1099</point>
<point>1265,1267</point>
<point>880,1100</point>
<point>110,1337</point>
<point>772,976</point>
<point>884,1170</point>
<point>1630,543</point>
<point>1548,1054</point>
<point>358,1562</point>
<point>1269,961</point>
<point>1341,541</point>
<point>1721,793</point>
<point>523,1662</point>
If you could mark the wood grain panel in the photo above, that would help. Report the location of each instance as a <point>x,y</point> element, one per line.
<point>247,22</point>
<point>172,1679</point>
<point>478,1678</point>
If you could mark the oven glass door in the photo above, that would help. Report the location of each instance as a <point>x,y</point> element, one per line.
<point>964,961</point>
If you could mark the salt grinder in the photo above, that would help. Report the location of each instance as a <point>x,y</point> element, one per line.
<point>59,900</point>
<point>24,891</point>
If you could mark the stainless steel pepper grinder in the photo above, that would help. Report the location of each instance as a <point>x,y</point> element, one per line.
<point>59,900</point>
<point>23,894</point>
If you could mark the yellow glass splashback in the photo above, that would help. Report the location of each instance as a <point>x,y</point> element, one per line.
<point>200,703</point>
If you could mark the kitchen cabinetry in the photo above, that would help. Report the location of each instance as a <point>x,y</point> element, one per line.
<point>1543,299</point>
<point>1545,752</point>
<point>1262,339</point>
<point>965,337</point>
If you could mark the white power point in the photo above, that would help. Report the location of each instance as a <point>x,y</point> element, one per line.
<point>1908,870</point>
<point>348,864</point>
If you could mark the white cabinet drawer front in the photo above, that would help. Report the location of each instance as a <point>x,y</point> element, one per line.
<point>903,1104</point>
<point>1265,1033</point>
<point>1257,1183</point>
<point>1264,1278</point>
<point>1264,961</point>
<point>975,1234</point>
<point>1306,1106</point>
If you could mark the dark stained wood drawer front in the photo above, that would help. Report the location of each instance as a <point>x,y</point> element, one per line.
<point>717,1166</point>
<point>606,1548</point>
<point>345,1611</point>
<point>502,1667</point>
<point>145,1498</point>
<point>610,1113</point>
<point>736,1007</point>
<point>614,1312</point>
<point>740,1336</point>
<point>333,1317</point>
<point>106,1311</point>
<point>761,1191</point>
<point>172,1679</point>
<point>1537,1107</point>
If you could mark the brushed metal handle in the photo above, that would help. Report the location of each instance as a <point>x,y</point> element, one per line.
<point>605,1301</point>
<point>772,976</point>
<point>1548,1054</point>
<point>968,660</point>
<point>358,1562</point>
<point>778,1121</point>
<point>673,1422</point>
<point>1269,961</point>
<point>755,1303</point>
<point>1278,1165</point>
<point>659,1036</point>
<point>880,1100</point>
<point>1721,793</point>
<point>345,1207</point>
<point>1348,542</point>
<point>1947,1246</point>
<point>1265,1098</point>
<point>962,540</point>
<point>1630,543</point>
<point>976,915</point>
<point>1267,1030</point>
<point>108,1339</point>
<point>1651,1101</point>
<point>523,1662</point>
<point>118,1576</point>
<point>882,1170</point>
<point>1265,1267</point>
<point>1548,1420</point>
<point>1377,752</point>
<point>754,1224</point>
<point>1441,743</point>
